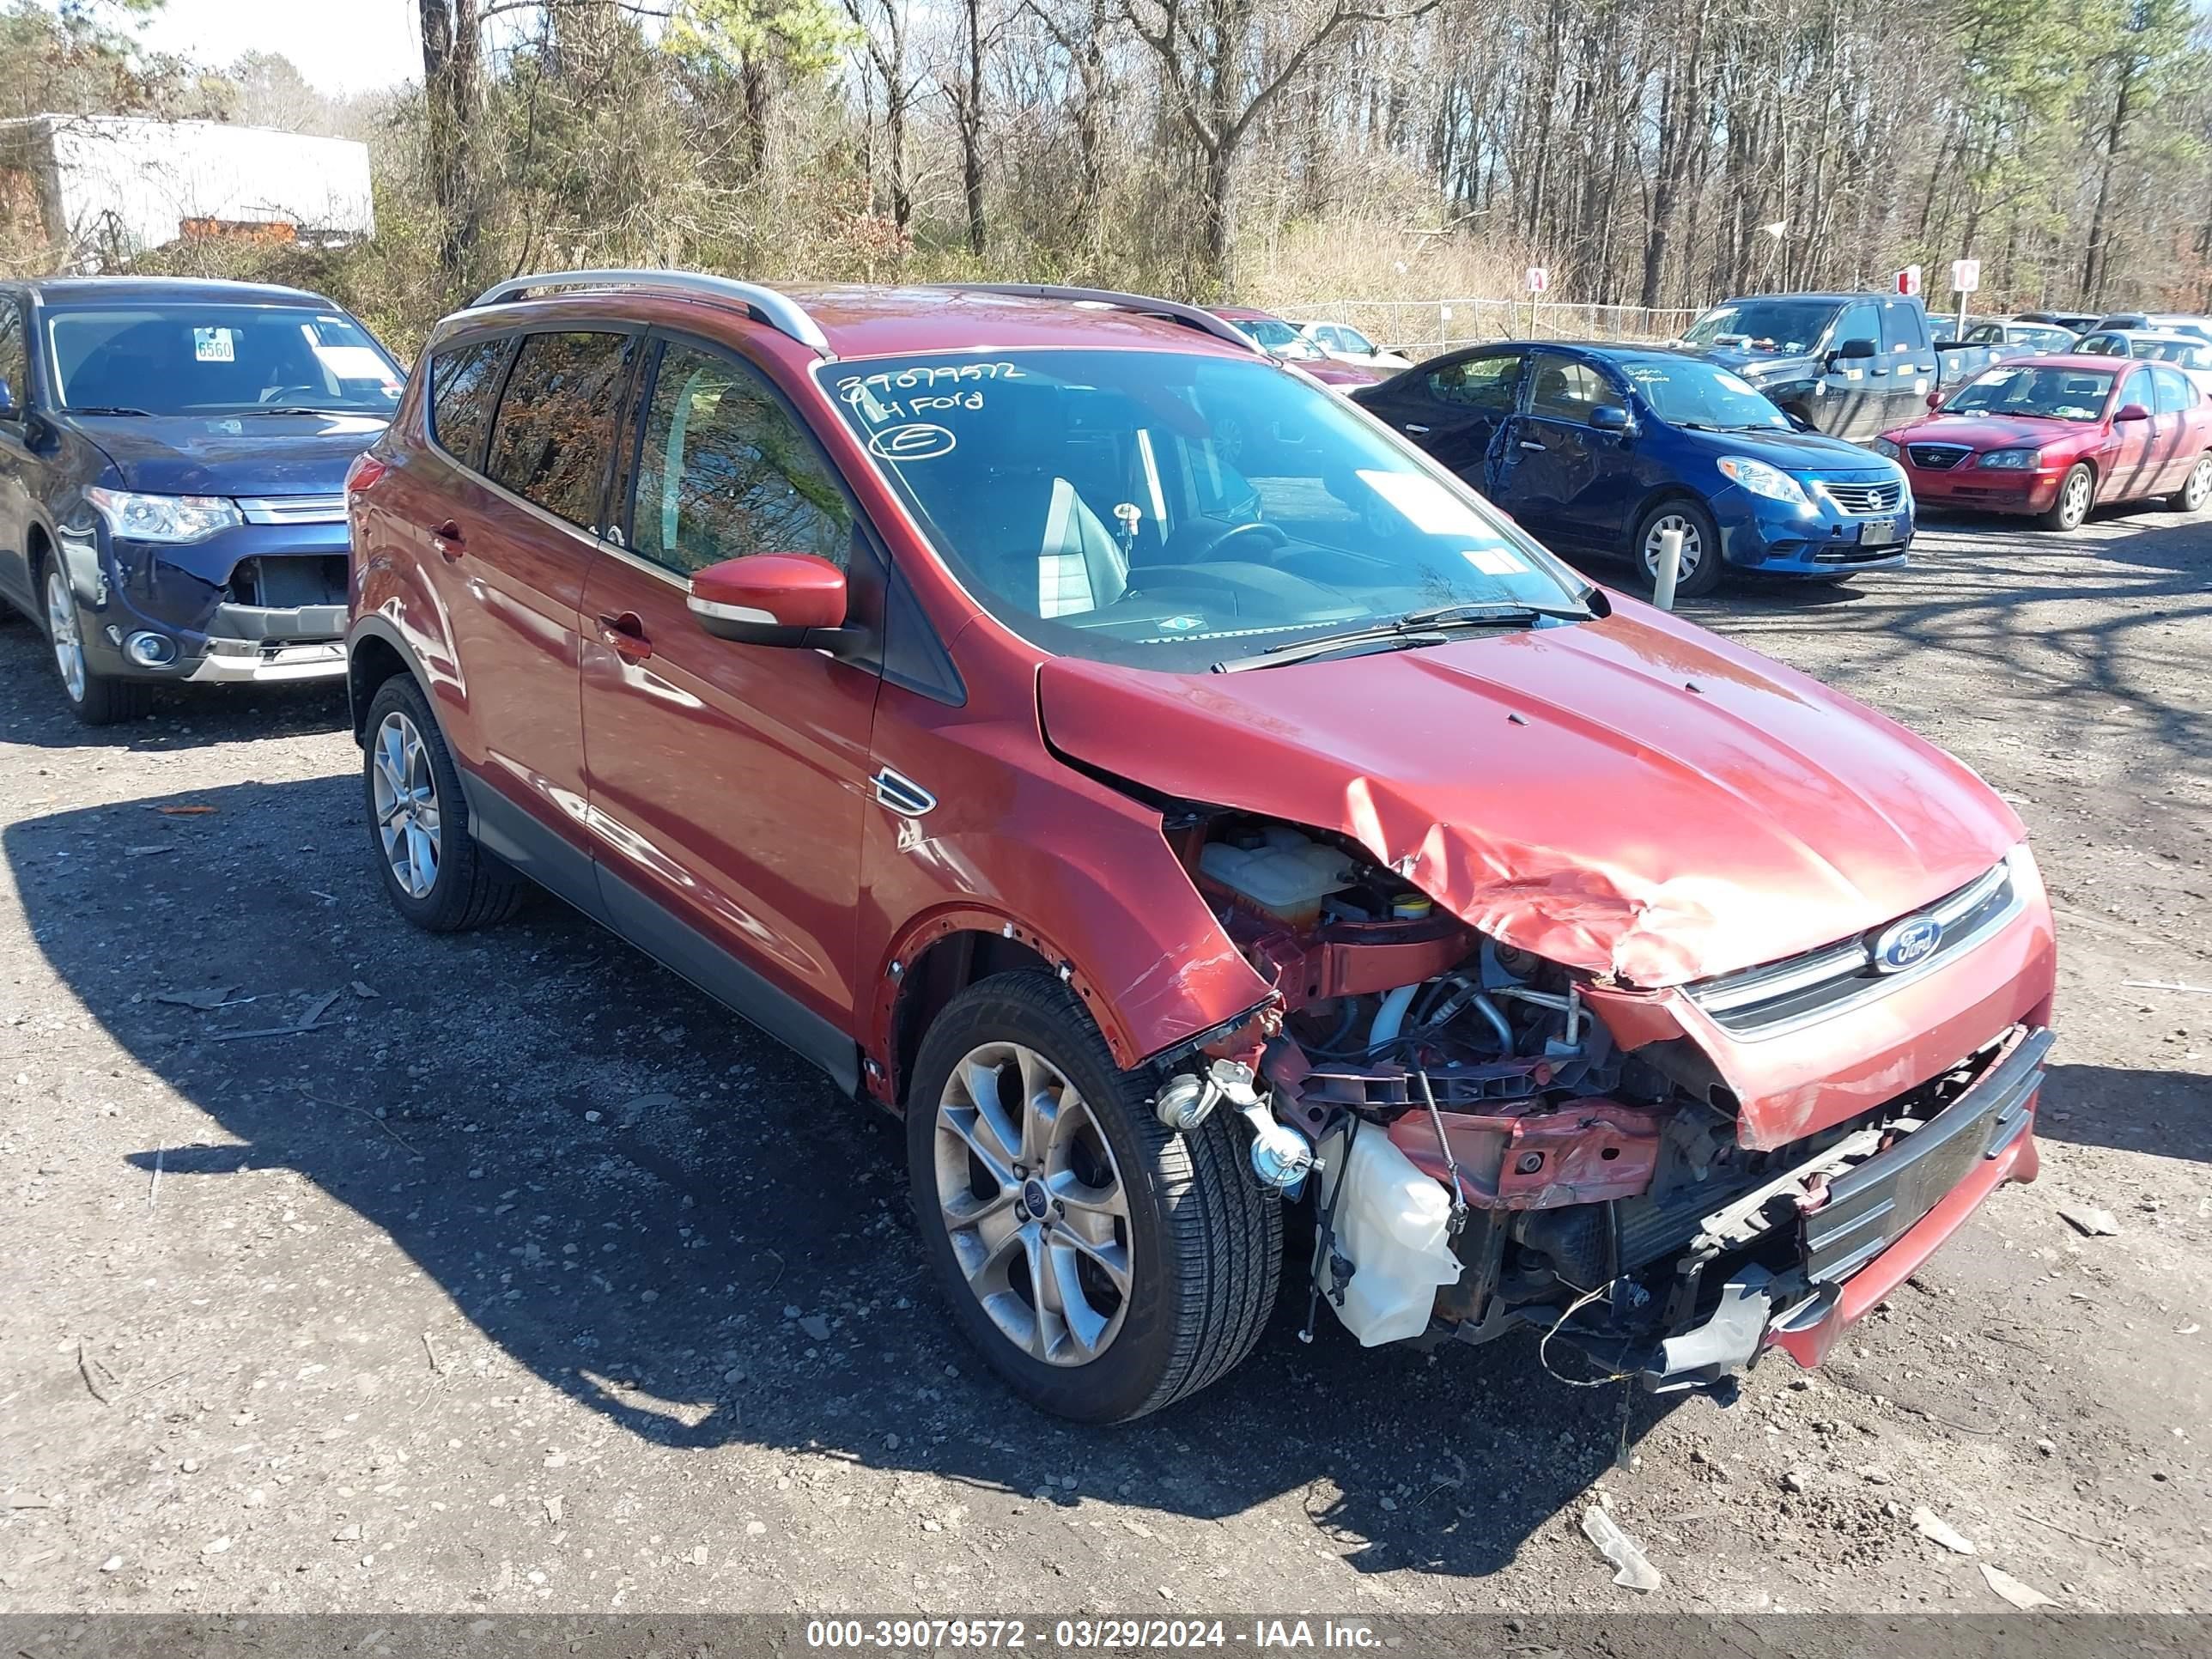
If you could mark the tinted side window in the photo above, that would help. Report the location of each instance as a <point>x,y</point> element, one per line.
<point>1858,322</point>
<point>556,422</point>
<point>1567,391</point>
<point>1483,383</point>
<point>463,384</point>
<point>1902,327</point>
<point>724,470</point>
<point>14,361</point>
<point>2174,391</point>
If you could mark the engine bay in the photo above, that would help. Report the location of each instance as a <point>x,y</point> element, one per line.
<point>1478,1153</point>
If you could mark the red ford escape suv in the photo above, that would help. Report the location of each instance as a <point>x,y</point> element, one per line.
<point>1181,799</point>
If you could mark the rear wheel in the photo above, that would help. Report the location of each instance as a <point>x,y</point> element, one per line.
<point>2192,496</point>
<point>2077,493</point>
<point>96,699</point>
<point>434,871</point>
<point>1105,1266</point>
<point>1701,564</point>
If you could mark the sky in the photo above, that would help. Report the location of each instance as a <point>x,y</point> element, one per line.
<point>340,45</point>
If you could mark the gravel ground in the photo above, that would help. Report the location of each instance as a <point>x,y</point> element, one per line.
<point>531,1280</point>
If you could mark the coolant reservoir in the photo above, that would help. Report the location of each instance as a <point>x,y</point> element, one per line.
<point>1288,875</point>
<point>1391,1226</point>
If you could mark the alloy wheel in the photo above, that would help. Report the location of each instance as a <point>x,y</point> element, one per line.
<point>1693,545</point>
<point>404,793</point>
<point>1033,1204</point>
<point>2200,484</point>
<point>61,629</point>
<point>2075,506</point>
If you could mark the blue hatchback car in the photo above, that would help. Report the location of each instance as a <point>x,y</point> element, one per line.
<point>1598,450</point>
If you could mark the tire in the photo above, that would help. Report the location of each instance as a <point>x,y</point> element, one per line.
<point>437,877</point>
<point>96,699</point>
<point>1702,564</point>
<point>2192,496</point>
<point>1198,1243</point>
<point>2077,494</point>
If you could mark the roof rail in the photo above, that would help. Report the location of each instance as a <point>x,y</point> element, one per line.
<point>1144,304</point>
<point>779,311</point>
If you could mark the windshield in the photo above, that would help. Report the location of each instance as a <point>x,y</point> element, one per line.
<point>219,360</point>
<point>1174,511</point>
<point>1279,336</point>
<point>1765,325</point>
<point>2055,394</point>
<point>2042,339</point>
<point>1683,391</point>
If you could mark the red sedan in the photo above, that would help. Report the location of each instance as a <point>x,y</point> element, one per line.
<point>2054,436</point>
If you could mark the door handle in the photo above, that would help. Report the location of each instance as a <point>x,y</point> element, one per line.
<point>1413,426</point>
<point>449,541</point>
<point>624,636</point>
<point>1530,443</point>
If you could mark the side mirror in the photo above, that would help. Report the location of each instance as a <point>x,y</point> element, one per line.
<point>2131,412</point>
<point>1857,348</point>
<point>8,410</point>
<point>771,599</point>
<point>1935,400</point>
<point>1612,418</point>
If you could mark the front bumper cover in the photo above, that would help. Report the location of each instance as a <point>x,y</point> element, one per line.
<point>1878,1222</point>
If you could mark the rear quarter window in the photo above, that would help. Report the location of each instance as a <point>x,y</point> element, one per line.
<point>464,388</point>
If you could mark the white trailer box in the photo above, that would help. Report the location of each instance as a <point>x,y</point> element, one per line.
<point>108,186</point>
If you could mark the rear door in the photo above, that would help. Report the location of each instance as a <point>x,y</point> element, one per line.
<point>727,782</point>
<point>1908,351</point>
<point>2172,430</point>
<point>1555,473</point>
<point>514,542</point>
<point>1456,410</point>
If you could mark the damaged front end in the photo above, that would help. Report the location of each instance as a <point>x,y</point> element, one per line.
<point>1491,1141</point>
<point>249,590</point>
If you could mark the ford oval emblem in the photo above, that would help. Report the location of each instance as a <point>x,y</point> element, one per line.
<point>1906,944</point>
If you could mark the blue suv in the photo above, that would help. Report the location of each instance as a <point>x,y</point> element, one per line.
<point>173,465</point>
<point>1600,450</point>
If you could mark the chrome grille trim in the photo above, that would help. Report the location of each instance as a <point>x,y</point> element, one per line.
<point>1863,499</point>
<point>1937,458</point>
<point>293,509</point>
<point>1780,997</point>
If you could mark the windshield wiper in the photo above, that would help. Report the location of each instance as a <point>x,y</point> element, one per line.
<point>106,409</point>
<point>1415,628</point>
<point>290,408</point>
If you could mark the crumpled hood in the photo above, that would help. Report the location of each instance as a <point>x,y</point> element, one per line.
<point>1633,798</point>
<point>1755,365</point>
<point>246,455</point>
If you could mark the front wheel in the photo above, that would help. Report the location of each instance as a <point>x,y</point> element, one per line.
<point>2077,492</point>
<point>2192,496</point>
<point>1701,564</point>
<point>96,699</point>
<point>1105,1266</point>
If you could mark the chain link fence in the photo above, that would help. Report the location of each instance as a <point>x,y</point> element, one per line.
<point>1422,328</point>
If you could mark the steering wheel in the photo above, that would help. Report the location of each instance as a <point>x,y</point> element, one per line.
<point>1275,538</point>
<point>278,394</point>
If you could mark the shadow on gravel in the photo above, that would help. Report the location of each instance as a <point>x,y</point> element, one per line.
<point>2166,1112</point>
<point>184,717</point>
<point>662,1214</point>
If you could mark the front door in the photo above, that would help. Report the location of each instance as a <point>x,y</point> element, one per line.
<point>727,782</point>
<point>1558,475</point>
<point>2136,466</point>
<point>1853,391</point>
